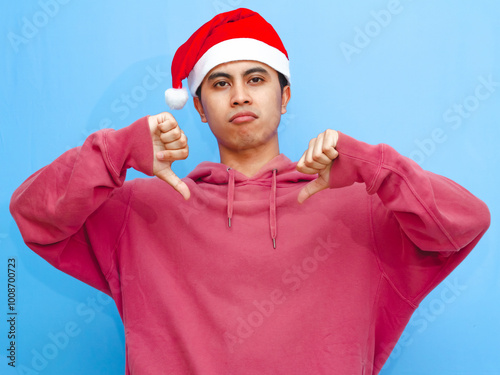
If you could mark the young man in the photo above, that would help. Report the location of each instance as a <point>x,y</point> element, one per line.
<point>255,265</point>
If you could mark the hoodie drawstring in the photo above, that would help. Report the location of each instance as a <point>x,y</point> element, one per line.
<point>272,210</point>
<point>272,203</point>
<point>230,196</point>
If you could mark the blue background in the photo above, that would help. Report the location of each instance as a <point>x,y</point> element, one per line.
<point>422,76</point>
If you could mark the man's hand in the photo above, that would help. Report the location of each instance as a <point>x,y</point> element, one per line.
<point>169,145</point>
<point>318,158</point>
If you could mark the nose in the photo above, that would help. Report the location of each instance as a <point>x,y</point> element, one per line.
<point>240,94</point>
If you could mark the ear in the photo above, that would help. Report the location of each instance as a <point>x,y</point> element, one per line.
<point>285,98</point>
<point>199,108</point>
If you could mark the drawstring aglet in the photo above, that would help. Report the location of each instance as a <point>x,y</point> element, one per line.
<point>274,243</point>
<point>230,196</point>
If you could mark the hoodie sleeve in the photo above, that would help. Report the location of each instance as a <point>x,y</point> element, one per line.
<point>52,206</point>
<point>423,224</point>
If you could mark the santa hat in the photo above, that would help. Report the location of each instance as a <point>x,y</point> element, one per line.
<point>232,36</point>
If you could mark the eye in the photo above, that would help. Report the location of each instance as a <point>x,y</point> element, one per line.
<point>221,84</point>
<point>256,79</point>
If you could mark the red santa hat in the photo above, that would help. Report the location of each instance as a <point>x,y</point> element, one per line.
<point>232,36</point>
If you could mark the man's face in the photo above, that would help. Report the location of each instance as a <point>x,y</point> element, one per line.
<point>242,102</point>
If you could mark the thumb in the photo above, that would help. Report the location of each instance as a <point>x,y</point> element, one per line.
<point>173,180</point>
<point>315,186</point>
<point>312,188</point>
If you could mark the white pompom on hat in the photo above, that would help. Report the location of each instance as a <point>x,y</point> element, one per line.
<point>176,98</point>
<point>237,35</point>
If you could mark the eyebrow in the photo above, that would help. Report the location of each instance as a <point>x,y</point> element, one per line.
<point>216,75</point>
<point>257,69</point>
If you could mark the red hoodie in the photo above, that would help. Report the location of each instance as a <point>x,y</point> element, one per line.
<point>196,296</point>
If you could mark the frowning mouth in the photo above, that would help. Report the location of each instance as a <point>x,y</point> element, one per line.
<point>241,117</point>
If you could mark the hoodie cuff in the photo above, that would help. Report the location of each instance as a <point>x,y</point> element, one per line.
<point>357,162</point>
<point>131,147</point>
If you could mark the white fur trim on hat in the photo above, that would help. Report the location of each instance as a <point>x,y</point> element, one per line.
<point>236,50</point>
<point>176,98</point>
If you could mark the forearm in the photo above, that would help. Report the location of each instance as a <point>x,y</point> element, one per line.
<point>55,202</point>
<point>433,211</point>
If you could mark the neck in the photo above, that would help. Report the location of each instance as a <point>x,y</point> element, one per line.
<point>250,161</point>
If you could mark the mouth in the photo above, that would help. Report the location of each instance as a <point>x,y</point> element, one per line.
<point>241,117</point>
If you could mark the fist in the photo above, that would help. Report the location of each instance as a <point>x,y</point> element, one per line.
<point>318,158</point>
<point>169,145</point>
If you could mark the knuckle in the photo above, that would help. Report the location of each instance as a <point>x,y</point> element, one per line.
<point>316,156</point>
<point>168,116</point>
<point>176,133</point>
<point>169,124</point>
<point>163,126</point>
<point>164,138</point>
<point>327,148</point>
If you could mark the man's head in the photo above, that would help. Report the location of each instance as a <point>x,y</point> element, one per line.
<point>239,35</point>
<point>242,102</point>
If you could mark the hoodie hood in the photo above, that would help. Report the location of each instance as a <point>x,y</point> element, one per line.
<point>278,173</point>
<point>216,173</point>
